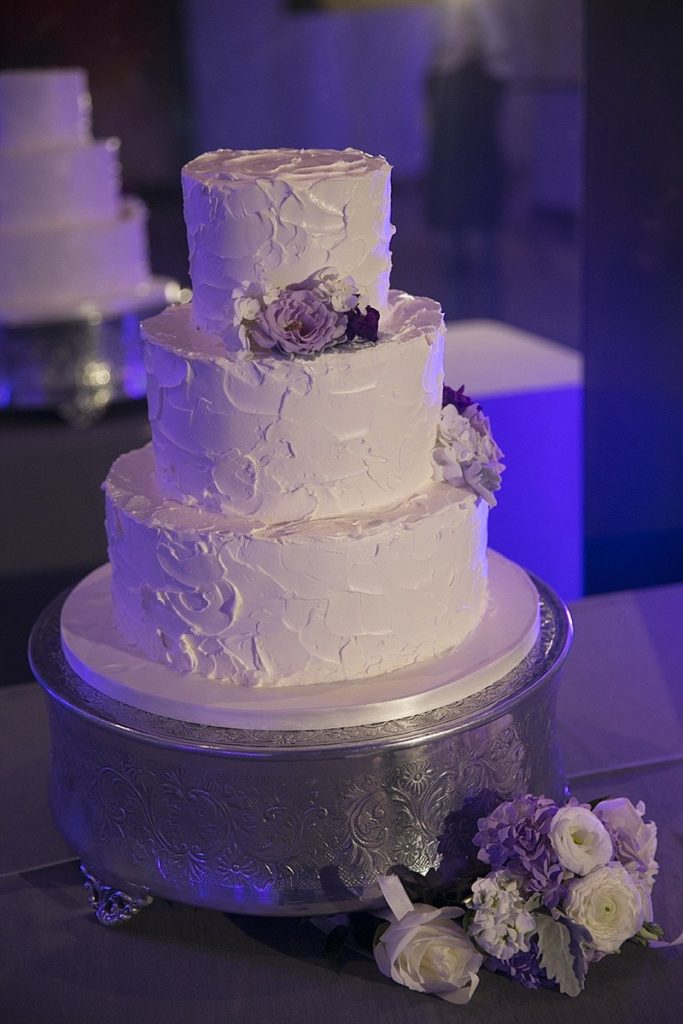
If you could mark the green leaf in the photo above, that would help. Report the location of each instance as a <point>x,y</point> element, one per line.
<point>561,955</point>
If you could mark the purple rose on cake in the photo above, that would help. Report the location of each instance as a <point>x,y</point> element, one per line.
<point>298,321</point>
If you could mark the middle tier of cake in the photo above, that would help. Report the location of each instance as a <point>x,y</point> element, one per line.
<point>280,439</point>
<point>315,601</point>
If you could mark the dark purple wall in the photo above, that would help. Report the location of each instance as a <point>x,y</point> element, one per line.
<point>633,293</point>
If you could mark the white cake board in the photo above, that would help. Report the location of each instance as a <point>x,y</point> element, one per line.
<point>97,653</point>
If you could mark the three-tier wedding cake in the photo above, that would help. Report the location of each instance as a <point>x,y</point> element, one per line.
<point>312,508</point>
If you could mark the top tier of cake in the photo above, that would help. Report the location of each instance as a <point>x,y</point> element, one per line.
<point>39,109</point>
<point>271,218</point>
<point>69,243</point>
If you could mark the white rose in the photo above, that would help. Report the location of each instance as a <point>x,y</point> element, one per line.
<point>608,904</point>
<point>635,843</point>
<point>502,923</point>
<point>426,951</point>
<point>580,840</point>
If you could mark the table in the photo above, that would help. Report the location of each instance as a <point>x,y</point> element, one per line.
<point>621,730</point>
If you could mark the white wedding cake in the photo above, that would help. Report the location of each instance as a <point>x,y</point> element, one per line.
<point>70,244</point>
<point>309,510</point>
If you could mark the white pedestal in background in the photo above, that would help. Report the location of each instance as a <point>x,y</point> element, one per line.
<point>532,390</point>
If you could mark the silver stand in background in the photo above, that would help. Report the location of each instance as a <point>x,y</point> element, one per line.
<point>77,367</point>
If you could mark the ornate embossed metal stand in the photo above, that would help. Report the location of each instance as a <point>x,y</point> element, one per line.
<point>112,906</point>
<point>290,822</point>
<point>78,366</point>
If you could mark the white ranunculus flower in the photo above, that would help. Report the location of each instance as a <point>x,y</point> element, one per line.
<point>635,843</point>
<point>503,923</point>
<point>580,840</point>
<point>428,952</point>
<point>606,902</point>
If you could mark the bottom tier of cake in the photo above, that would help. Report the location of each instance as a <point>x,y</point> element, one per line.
<point>296,604</point>
<point>505,635</point>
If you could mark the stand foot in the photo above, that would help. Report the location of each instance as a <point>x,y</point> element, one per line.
<point>112,906</point>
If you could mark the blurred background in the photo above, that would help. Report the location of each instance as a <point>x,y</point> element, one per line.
<point>537,148</point>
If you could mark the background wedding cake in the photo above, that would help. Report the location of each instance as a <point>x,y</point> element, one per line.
<point>313,505</point>
<point>70,244</point>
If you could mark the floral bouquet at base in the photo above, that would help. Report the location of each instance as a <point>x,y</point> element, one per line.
<point>565,887</point>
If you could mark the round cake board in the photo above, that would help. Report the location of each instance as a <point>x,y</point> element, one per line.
<point>96,652</point>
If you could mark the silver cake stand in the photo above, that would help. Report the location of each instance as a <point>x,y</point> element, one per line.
<point>291,822</point>
<point>80,365</point>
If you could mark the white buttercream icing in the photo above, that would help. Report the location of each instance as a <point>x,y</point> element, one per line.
<point>41,108</point>
<point>271,218</point>
<point>327,600</point>
<point>54,269</point>
<point>69,245</point>
<point>59,186</point>
<point>282,439</point>
<point>284,527</point>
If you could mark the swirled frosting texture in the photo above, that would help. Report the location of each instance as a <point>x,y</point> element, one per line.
<point>273,217</point>
<point>281,439</point>
<point>322,601</point>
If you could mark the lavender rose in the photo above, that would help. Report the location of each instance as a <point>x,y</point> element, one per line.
<point>298,321</point>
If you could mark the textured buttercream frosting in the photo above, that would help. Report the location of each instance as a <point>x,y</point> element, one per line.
<point>280,438</point>
<point>271,218</point>
<point>337,599</point>
<point>285,526</point>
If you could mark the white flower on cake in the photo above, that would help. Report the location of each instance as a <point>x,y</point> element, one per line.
<point>341,292</point>
<point>606,901</point>
<point>248,306</point>
<point>635,843</point>
<point>466,454</point>
<point>503,922</point>
<point>580,840</point>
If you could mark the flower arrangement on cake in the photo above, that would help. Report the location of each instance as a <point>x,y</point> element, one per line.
<point>304,318</point>
<point>560,888</point>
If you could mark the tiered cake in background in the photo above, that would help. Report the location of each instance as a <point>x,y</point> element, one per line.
<point>313,505</point>
<point>69,243</point>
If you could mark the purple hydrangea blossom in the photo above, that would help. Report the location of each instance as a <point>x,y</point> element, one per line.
<point>515,836</point>
<point>523,967</point>
<point>363,325</point>
<point>298,321</point>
